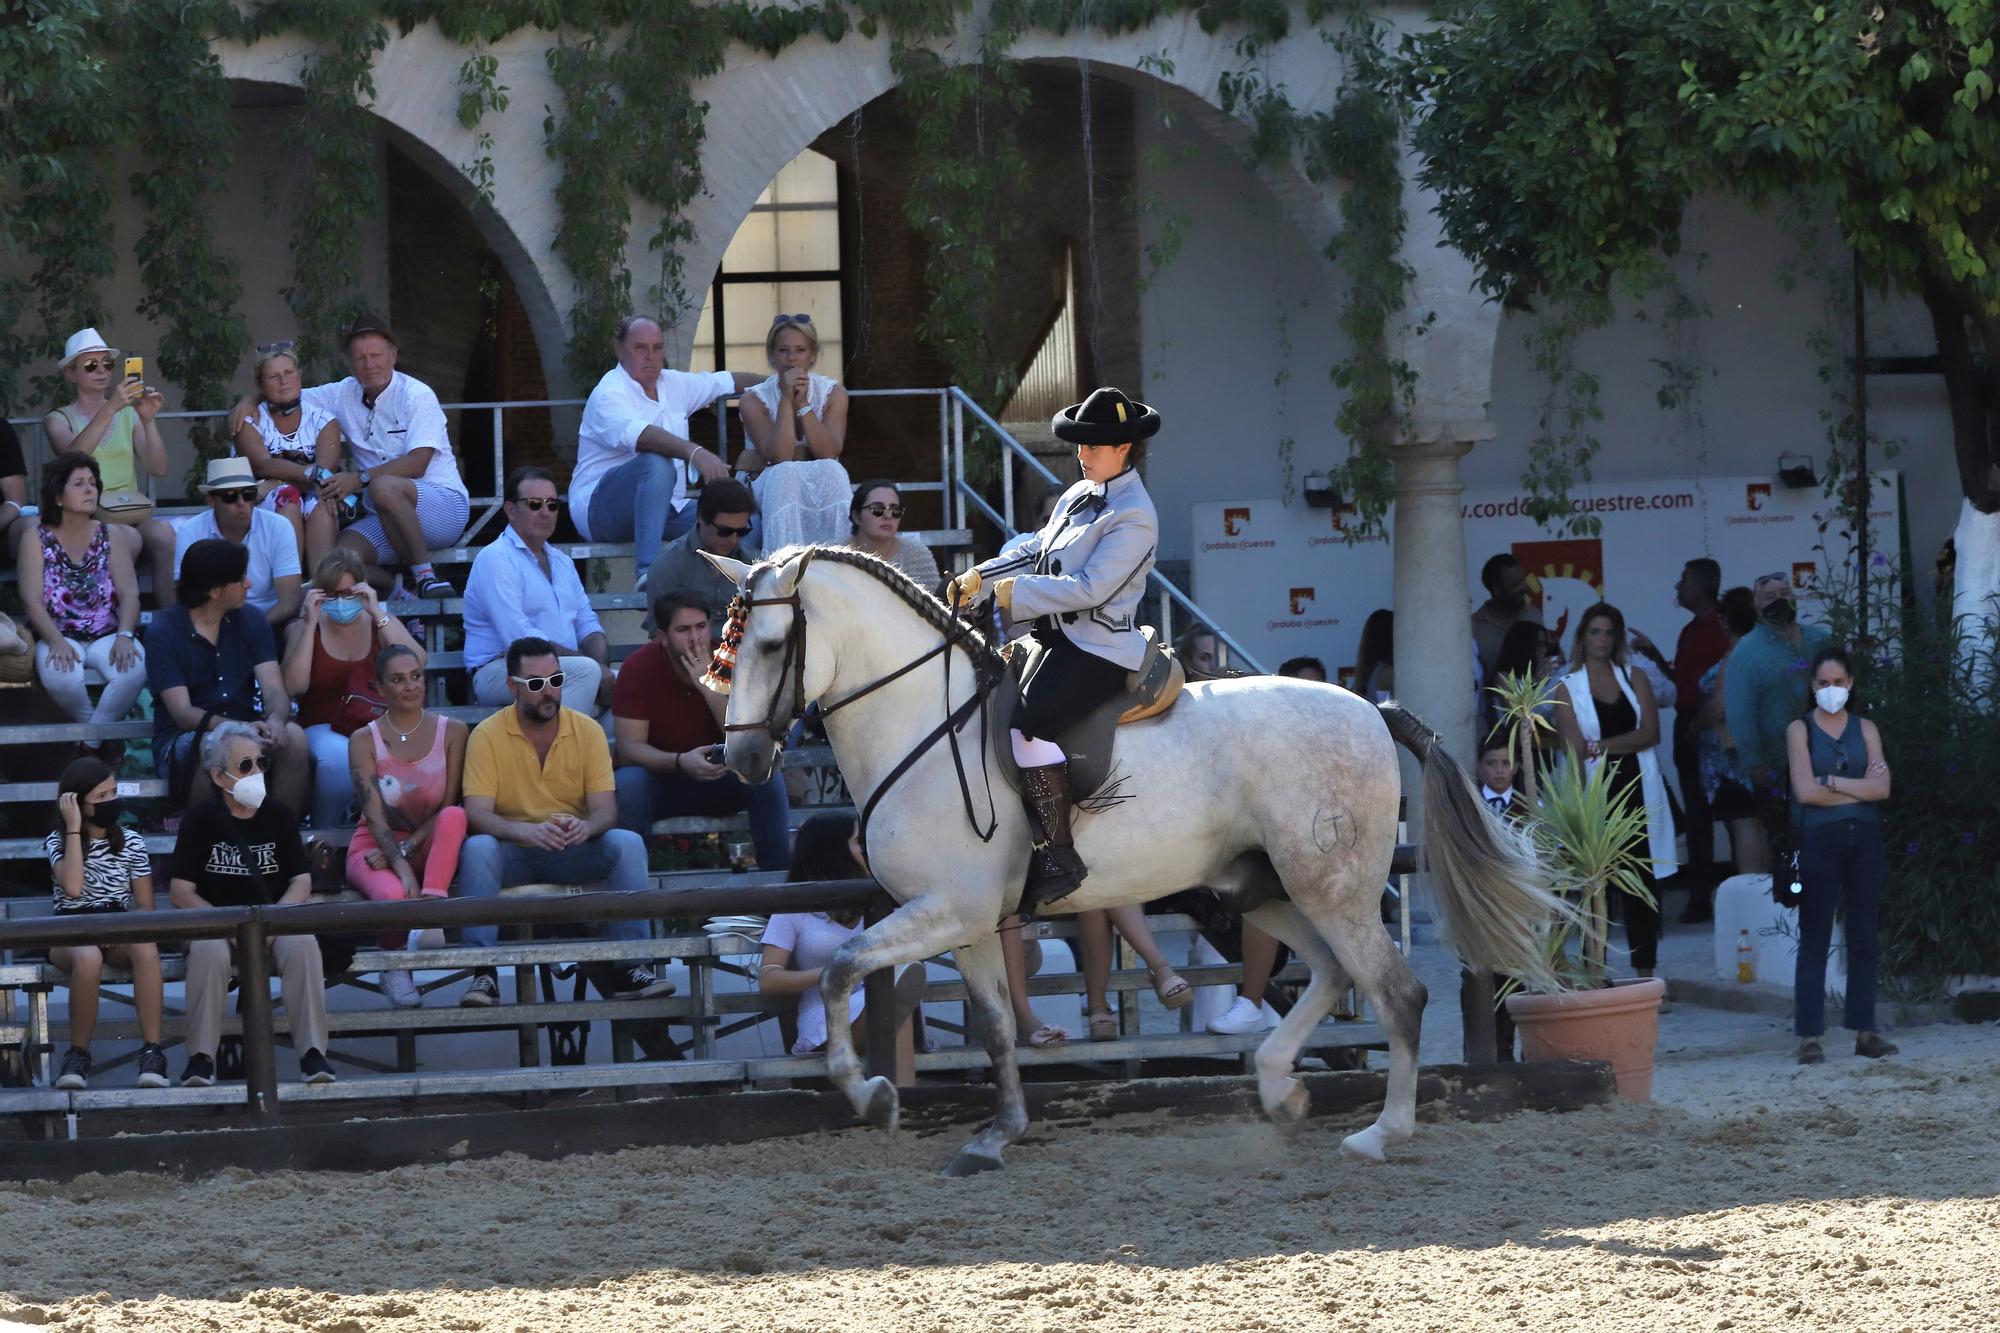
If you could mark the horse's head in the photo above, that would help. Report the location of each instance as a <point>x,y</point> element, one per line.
<point>773,675</point>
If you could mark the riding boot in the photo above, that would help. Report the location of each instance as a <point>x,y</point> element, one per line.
<point>1055,870</point>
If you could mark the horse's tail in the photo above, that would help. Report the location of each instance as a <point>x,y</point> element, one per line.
<point>1493,888</point>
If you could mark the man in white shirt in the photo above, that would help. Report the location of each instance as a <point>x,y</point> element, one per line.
<point>520,589</point>
<point>633,457</point>
<point>233,515</point>
<point>408,480</point>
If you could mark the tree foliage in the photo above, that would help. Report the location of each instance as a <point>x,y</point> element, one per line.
<point>1564,138</point>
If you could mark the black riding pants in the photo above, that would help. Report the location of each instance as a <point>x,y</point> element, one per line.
<point>1063,684</point>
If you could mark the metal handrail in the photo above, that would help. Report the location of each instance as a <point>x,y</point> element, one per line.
<point>1169,596</point>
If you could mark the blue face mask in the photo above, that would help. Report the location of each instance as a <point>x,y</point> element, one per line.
<point>343,610</point>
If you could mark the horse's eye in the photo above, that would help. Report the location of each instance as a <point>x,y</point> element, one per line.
<point>769,649</point>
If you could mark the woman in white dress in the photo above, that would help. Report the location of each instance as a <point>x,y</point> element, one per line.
<point>292,447</point>
<point>796,422</point>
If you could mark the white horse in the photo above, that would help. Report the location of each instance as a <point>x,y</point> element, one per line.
<point>1280,792</point>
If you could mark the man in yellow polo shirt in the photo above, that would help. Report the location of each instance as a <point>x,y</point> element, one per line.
<point>543,809</point>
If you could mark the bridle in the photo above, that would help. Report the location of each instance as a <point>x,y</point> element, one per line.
<point>778,723</point>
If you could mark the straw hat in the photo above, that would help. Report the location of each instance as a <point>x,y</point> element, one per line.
<point>80,342</point>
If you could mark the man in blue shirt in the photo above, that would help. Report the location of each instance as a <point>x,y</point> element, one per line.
<point>1764,688</point>
<point>209,662</point>
<point>521,589</point>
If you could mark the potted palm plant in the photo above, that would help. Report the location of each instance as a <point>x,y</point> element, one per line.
<point>1593,838</point>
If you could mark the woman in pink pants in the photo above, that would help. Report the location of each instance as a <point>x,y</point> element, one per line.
<point>407,765</point>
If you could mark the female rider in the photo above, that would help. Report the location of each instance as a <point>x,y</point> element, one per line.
<point>1080,580</point>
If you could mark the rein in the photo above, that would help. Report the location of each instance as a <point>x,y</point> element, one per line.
<point>778,724</point>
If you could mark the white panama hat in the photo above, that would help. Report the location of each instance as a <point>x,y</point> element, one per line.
<point>80,342</point>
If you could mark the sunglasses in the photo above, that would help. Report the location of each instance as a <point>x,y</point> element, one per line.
<point>537,505</point>
<point>280,348</point>
<point>91,363</point>
<point>536,684</point>
<point>883,511</point>
<point>776,320</point>
<point>724,530</point>
<point>242,495</point>
<point>260,763</point>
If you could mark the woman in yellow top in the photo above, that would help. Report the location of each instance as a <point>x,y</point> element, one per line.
<point>112,420</point>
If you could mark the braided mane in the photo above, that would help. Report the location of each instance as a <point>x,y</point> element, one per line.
<point>913,595</point>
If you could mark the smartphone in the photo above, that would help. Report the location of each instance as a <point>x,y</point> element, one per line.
<point>135,368</point>
<point>714,755</point>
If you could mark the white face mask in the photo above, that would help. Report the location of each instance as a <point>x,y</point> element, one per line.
<point>249,791</point>
<point>1831,698</point>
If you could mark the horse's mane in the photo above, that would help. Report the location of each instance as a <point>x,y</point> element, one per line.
<point>913,595</point>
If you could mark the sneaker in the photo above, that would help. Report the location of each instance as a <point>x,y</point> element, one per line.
<point>313,1068</point>
<point>639,582</point>
<point>200,1072</point>
<point>1865,1043</point>
<point>401,988</point>
<point>152,1066</point>
<point>75,1070</point>
<point>638,983</point>
<point>427,939</point>
<point>1810,1053</point>
<point>434,587</point>
<point>483,993</point>
<point>1243,1016</point>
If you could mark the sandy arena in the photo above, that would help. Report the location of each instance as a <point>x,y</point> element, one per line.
<point>1755,1196</point>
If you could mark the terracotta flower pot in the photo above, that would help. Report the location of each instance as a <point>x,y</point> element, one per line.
<point>1619,1024</point>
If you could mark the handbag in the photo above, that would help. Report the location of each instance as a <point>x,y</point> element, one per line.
<point>126,508</point>
<point>357,708</point>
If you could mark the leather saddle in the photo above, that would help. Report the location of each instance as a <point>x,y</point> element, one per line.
<point>1149,692</point>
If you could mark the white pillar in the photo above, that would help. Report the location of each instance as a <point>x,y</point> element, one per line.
<point>1433,605</point>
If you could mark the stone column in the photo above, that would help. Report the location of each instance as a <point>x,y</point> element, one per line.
<point>1434,626</point>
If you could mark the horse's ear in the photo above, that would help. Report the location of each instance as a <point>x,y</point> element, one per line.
<point>788,575</point>
<point>733,570</point>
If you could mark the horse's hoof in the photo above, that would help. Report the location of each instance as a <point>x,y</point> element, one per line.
<point>1365,1146</point>
<point>884,1108</point>
<point>971,1163</point>
<point>1289,1111</point>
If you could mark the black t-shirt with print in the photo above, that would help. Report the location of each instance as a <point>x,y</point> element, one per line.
<point>239,862</point>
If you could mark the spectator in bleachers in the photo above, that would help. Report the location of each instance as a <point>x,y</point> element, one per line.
<point>521,589</point>
<point>408,481</point>
<point>722,520</point>
<point>876,516</point>
<point>634,461</point>
<point>1094,946</point>
<point>13,492</point>
<point>233,515</point>
<point>99,869</point>
<point>292,446</point>
<point>408,766</point>
<point>1200,654</point>
<point>207,662</point>
<point>1303,668</point>
<point>242,849</point>
<point>794,417</point>
<point>112,420</point>
<point>799,945</point>
<point>1507,602</point>
<point>1375,656</point>
<point>329,667</point>
<point>542,807</point>
<point>669,733</point>
<point>87,613</point>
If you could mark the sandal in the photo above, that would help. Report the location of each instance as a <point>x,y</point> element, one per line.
<point>1103,1027</point>
<point>1173,990</point>
<point>1048,1034</point>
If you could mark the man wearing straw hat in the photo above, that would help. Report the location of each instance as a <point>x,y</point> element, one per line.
<point>276,586</point>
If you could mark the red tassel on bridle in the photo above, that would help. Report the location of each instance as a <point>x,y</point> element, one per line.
<point>721,671</point>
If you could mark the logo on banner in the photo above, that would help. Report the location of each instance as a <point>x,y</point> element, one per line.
<point>1301,599</point>
<point>1344,677</point>
<point>1754,495</point>
<point>1299,603</point>
<point>1804,574</point>
<point>1233,521</point>
<point>1565,576</point>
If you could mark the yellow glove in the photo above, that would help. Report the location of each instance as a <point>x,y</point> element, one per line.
<point>963,590</point>
<point>1003,593</point>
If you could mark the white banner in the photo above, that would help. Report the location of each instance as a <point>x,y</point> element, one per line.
<point>1285,582</point>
